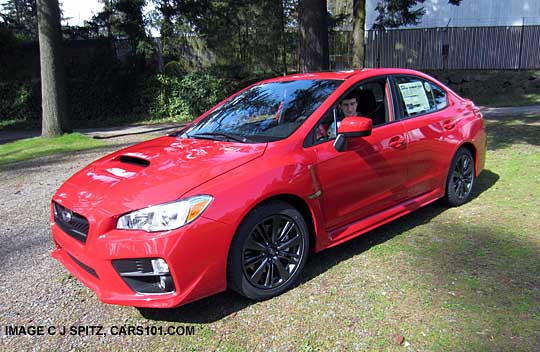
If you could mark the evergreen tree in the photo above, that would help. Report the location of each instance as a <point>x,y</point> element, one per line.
<point>20,18</point>
<point>397,13</point>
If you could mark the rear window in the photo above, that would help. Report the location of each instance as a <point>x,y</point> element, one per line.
<point>419,96</point>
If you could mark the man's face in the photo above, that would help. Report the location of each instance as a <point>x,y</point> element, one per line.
<point>348,106</point>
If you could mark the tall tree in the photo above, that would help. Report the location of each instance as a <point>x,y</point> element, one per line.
<point>20,17</point>
<point>283,39</point>
<point>397,13</point>
<point>312,22</point>
<point>359,23</point>
<point>53,81</point>
<point>130,21</point>
<point>243,35</point>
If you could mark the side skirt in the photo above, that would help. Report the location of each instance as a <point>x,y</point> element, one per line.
<point>360,227</point>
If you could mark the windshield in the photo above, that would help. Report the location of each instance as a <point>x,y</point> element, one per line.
<point>265,112</point>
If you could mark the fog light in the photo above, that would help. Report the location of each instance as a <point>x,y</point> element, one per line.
<point>160,266</point>
<point>145,275</point>
<point>165,283</point>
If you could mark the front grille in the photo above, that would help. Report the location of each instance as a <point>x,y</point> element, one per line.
<point>84,266</point>
<point>71,223</point>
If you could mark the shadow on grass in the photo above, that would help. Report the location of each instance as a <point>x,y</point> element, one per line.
<point>487,278</point>
<point>502,133</point>
<point>219,306</point>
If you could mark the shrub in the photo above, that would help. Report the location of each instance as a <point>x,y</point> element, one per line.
<point>121,96</point>
<point>182,97</point>
<point>20,101</point>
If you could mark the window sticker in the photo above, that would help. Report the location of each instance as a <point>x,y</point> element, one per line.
<point>414,96</point>
<point>427,87</point>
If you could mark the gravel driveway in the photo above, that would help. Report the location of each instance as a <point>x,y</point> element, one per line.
<point>37,290</point>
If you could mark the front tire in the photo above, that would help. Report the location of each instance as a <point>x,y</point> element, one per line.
<point>460,179</point>
<point>268,252</point>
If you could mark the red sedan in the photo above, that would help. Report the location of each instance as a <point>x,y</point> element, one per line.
<point>242,195</point>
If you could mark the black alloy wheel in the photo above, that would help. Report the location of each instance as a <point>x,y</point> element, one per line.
<point>460,178</point>
<point>268,251</point>
<point>272,252</point>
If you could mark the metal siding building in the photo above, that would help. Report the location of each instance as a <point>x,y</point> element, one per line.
<point>471,13</point>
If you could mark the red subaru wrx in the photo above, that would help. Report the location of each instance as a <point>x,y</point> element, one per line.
<point>241,196</point>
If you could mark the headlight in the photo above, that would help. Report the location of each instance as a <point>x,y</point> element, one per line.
<point>165,217</point>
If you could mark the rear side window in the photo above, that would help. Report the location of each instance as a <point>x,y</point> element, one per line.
<point>419,96</point>
<point>439,97</point>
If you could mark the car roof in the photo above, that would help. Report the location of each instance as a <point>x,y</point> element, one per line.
<point>343,75</point>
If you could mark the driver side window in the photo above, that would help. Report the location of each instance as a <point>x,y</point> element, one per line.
<point>367,99</point>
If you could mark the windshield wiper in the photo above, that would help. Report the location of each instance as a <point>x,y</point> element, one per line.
<point>213,135</point>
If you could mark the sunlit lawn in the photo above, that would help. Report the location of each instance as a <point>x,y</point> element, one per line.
<point>439,279</point>
<point>466,278</point>
<point>31,148</point>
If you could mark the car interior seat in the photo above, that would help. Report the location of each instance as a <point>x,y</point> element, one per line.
<point>368,107</point>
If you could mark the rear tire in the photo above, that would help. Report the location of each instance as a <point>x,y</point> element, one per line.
<point>268,252</point>
<point>461,177</point>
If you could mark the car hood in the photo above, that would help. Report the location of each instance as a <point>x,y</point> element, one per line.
<point>152,172</point>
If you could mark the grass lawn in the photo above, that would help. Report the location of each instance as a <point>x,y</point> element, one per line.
<point>465,278</point>
<point>31,148</point>
<point>439,279</point>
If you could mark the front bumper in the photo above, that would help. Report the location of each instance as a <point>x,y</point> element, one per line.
<point>196,255</point>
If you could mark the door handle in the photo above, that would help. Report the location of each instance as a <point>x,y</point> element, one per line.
<point>449,124</point>
<point>397,142</point>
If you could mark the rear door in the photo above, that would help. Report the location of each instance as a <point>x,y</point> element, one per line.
<point>426,117</point>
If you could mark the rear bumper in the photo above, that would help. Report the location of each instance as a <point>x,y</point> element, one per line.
<point>196,255</point>
<point>480,143</point>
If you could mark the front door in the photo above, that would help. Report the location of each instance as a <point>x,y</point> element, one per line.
<point>369,175</point>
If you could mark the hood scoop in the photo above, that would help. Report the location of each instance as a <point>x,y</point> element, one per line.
<point>133,160</point>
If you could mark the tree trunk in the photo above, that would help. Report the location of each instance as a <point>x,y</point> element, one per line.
<point>53,91</point>
<point>359,21</point>
<point>313,35</point>
<point>283,38</point>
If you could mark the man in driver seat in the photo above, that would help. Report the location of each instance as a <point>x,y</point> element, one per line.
<point>348,106</point>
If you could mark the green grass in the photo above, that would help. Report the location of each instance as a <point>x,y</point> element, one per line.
<point>31,148</point>
<point>446,279</point>
<point>504,98</point>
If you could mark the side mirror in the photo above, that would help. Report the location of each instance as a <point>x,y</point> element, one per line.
<point>355,126</point>
<point>340,143</point>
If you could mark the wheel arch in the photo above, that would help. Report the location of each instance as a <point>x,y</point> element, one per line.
<point>472,148</point>
<point>295,202</point>
<point>301,205</point>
